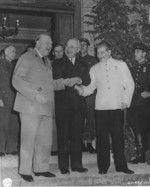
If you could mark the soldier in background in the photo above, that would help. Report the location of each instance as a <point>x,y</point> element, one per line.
<point>9,121</point>
<point>138,114</point>
<point>58,53</point>
<point>89,127</point>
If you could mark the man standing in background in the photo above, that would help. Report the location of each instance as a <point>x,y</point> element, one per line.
<point>138,114</point>
<point>89,127</point>
<point>58,53</point>
<point>9,122</point>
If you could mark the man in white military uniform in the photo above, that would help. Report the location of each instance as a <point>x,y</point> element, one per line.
<point>115,86</point>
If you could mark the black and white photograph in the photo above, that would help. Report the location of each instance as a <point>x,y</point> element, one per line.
<point>74,93</point>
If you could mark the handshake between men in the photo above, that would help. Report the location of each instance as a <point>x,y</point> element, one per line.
<point>79,88</point>
<point>42,98</point>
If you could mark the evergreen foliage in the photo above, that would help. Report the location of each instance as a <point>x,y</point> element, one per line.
<point>120,22</point>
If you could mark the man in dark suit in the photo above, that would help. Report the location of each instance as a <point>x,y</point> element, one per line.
<point>70,109</point>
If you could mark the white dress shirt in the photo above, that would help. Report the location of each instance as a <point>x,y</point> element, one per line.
<point>72,60</point>
<point>113,82</point>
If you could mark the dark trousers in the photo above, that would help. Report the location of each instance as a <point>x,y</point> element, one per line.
<point>139,119</point>
<point>89,127</point>
<point>9,130</point>
<point>110,122</point>
<point>70,134</point>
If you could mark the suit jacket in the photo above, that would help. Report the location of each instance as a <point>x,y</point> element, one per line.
<point>63,68</point>
<point>90,60</point>
<point>30,77</point>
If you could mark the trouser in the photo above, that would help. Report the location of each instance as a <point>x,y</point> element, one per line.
<point>89,127</point>
<point>139,120</point>
<point>54,132</point>
<point>9,130</point>
<point>36,141</point>
<point>110,122</point>
<point>70,136</point>
<point>13,133</point>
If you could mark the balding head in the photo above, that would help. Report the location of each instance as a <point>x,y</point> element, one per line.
<point>72,47</point>
<point>10,53</point>
<point>43,44</point>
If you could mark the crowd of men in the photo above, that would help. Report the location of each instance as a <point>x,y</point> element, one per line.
<point>66,103</point>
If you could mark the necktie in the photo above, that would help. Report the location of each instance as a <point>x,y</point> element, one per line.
<point>44,60</point>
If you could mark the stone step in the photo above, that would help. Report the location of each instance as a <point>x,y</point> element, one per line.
<point>91,178</point>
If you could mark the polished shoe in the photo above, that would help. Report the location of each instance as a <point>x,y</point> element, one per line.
<point>138,160</point>
<point>90,148</point>
<point>2,154</point>
<point>80,170</point>
<point>28,178</point>
<point>102,172</point>
<point>84,148</point>
<point>125,170</point>
<point>54,153</point>
<point>44,174</point>
<point>64,171</point>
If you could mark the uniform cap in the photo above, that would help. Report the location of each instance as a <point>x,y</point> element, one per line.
<point>84,40</point>
<point>141,46</point>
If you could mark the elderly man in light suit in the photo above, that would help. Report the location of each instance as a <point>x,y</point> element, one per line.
<point>115,86</point>
<point>34,101</point>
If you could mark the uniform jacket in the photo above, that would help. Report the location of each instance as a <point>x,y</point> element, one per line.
<point>63,68</point>
<point>30,77</point>
<point>89,60</point>
<point>141,76</point>
<point>6,90</point>
<point>113,82</point>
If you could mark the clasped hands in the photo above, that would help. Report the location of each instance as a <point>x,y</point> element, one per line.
<point>42,98</point>
<point>80,89</point>
<point>70,82</point>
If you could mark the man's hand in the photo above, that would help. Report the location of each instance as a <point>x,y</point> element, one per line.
<point>1,103</point>
<point>41,98</point>
<point>72,81</point>
<point>123,106</point>
<point>145,94</point>
<point>79,89</point>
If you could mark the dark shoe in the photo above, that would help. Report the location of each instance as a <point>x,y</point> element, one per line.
<point>102,172</point>
<point>80,170</point>
<point>137,160</point>
<point>28,178</point>
<point>134,161</point>
<point>84,148</point>
<point>54,153</point>
<point>45,174</point>
<point>12,153</point>
<point>2,154</point>
<point>90,148</point>
<point>64,171</point>
<point>125,170</point>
